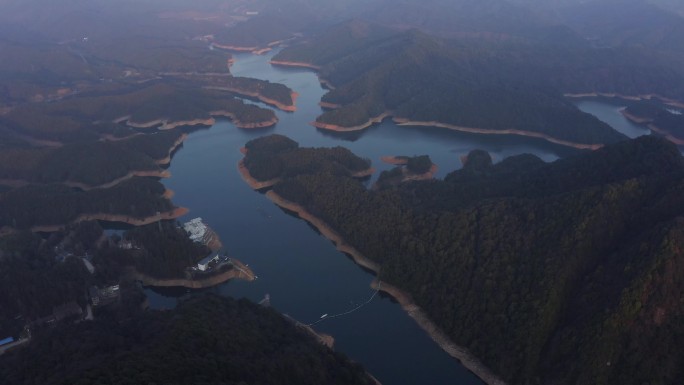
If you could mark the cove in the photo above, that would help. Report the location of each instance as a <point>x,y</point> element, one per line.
<point>304,274</point>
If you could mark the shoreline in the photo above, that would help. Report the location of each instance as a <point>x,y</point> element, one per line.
<point>330,106</point>
<point>132,174</point>
<point>242,272</point>
<point>414,311</point>
<point>166,124</point>
<point>460,353</point>
<point>259,185</point>
<point>296,64</point>
<point>651,126</point>
<point>240,124</point>
<point>16,183</point>
<point>234,47</point>
<point>333,127</point>
<point>666,134</point>
<point>167,159</point>
<point>322,338</point>
<point>664,100</point>
<point>120,218</point>
<point>633,118</point>
<point>251,181</point>
<point>406,122</point>
<point>408,176</point>
<point>256,50</point>
<point>429,174</point>
<point>403,121</point>
<point>394,160</point>
<point>579,146</point>
<point>260,97</point>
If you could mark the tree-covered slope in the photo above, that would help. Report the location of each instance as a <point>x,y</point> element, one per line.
<point>565,273</point>
<point>276,156</point>
<point>207,340</point>
<point>57,204</point>
<point>507,85</point>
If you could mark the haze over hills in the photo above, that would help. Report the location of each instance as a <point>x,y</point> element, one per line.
<point>558,273</point>
<point>495,86</point>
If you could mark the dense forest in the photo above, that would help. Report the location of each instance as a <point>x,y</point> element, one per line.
<point>667,120</point>
<point>408,166</point>
<point>276,156</point>
<point>207,340</point>
<point>33,281</point>
<point>107,161</point>
<point>165,250</point>
<point>55,204</point>
<point>42,273</point>
<point>546,272</point>
<point>562,273</point>
<point>88,117</point>
<point>476,84</point>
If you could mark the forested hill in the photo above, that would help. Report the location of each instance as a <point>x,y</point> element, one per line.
<point>477,84</point>
<point>210,340</point>
<point>565,273</point>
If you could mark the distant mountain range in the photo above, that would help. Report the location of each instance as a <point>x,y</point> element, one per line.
<point>492,85</point>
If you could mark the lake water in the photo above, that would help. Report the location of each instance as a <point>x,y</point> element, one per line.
<point>302,271</point>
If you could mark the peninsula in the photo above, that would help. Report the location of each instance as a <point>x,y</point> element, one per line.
<point>667,122</point>
<point>462,354</point>
<point>537,197</point>
<point>400,82</point>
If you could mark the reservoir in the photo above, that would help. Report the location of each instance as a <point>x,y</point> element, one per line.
<point>304,274</point>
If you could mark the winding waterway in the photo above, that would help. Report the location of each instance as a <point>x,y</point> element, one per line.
<point>304,274</point>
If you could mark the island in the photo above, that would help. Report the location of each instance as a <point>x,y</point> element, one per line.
<point>272,158</point>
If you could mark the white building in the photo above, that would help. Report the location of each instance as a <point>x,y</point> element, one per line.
<point>203,265</point>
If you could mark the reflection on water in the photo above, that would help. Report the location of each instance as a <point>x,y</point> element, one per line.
<point>302,271</point>
<point>608,110</point>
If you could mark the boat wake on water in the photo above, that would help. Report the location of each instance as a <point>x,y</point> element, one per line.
<point>326,317</point>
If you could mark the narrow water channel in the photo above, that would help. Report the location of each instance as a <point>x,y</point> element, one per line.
<point>304,274</point>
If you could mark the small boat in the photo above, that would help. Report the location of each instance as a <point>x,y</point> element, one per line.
<point>324,315</point>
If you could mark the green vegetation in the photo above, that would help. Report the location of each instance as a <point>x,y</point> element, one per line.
<point>33,281</point>
<point>55,204</point>
<point>166,251</point>
<point>277,156</point>
<point>391,177</point>
<point>86,118</point>
<point>411,166</point>
<point>206,340</point>
<point>546,272</point>
<point>419,164</point>
<point>273,91</point>
<point>660,117</point>
<point>42,274</point>
<point>477,84</point>
<point>107,161</point>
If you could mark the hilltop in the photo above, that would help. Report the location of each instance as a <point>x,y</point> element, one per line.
<point>497,88</point>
